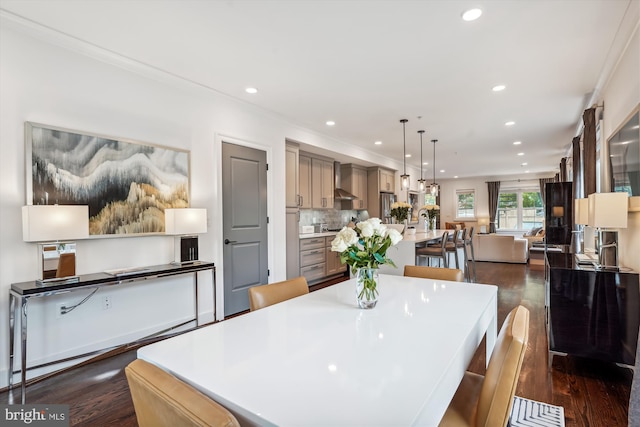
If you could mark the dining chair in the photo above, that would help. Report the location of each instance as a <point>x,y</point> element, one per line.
<point>265,295</point>
<point>434,251</point>
<point>425,272</point>
<point>162,400</point>
<point>486,401</point>
<point>470,256</point>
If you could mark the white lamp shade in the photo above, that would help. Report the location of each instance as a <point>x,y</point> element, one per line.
<point>581,207</point>
<point>49,223</point>
<point>608,210</point>
<point>483,221</point>
<point>185,221</point>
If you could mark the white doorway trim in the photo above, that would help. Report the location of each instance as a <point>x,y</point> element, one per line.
<point>218,248</point>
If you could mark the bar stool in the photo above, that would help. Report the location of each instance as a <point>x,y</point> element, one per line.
<point>468,244</point>
<point>457,242</point>
<point>435,251</point>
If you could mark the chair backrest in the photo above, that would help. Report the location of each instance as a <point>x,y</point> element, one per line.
<point>501,378</point>
<point>66,265</point>
<point>451,274</point>
<point>160,400</point>
<point>445,238</point>
<point>265,295</point>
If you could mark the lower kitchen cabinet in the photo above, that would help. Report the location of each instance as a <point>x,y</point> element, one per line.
<point>317,261</point>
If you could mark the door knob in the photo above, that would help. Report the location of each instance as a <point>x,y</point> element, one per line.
<point>227,241</point>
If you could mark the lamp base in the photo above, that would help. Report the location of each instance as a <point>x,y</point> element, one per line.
<point>607,249</point>
<point>185,249</point>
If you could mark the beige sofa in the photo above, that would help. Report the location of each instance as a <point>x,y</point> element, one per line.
<point>500,248</point>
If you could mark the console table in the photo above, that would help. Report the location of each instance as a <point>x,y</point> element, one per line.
<point>591,313</point>
<point>20,293</point>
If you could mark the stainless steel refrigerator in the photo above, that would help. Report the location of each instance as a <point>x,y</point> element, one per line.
<point>386,200</point>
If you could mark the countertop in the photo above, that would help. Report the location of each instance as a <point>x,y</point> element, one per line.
<point>314,235</point>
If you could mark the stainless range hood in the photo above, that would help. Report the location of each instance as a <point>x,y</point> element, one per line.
<point>339,193</point>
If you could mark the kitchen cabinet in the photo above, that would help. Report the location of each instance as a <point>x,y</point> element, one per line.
<point>293,243</point>
<point>333,264</point>
<point>387,180</point>
<point>292,176</point>
<point>304,181</point>
<point>321,183</point>
<point>355,180</point>
<point>312,258</point>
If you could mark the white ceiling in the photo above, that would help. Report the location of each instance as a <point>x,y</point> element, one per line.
<point>368,64</point>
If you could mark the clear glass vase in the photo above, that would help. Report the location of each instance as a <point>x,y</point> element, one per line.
<point>367,287</point>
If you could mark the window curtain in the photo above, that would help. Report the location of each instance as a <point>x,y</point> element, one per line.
<point>577,182</point>
<point>494,193</point>
<point>563,169</point>
<point>589,119</point>
<point>544,181</point>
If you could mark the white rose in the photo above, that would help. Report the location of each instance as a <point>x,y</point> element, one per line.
<point>394,235</point>
<point>349,236</point>
<point>338,244</point>
<point>366,229</point>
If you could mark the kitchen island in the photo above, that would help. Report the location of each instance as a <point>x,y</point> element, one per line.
<point>404,253</point>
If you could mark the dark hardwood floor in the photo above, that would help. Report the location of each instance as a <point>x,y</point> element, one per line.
<point>592,393</point>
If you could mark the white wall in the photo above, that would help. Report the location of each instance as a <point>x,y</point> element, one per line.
<point>49,84</point>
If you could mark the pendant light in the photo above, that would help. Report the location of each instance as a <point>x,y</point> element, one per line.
<point>434,186</point>
<point>404,178</point>
<point>422,183</point>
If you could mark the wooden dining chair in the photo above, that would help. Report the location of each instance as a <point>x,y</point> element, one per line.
<point>434,251</point>
<point>162,400</point>
<point>456,242</point>
<point>470,257</point>
<point>425,272</point>
<point>265,295</point>
<point>486,401</point>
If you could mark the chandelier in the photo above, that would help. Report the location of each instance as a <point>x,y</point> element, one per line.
<point>422,183</point>
<point>434,186</point>
<point>404,178</point>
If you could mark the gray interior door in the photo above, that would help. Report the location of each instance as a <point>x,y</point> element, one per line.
<point>244,198</point>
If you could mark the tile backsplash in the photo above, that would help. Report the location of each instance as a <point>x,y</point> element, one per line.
<point>334,218</point>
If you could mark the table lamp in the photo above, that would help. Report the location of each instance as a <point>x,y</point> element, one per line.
<point>581,210</point>
<point>483,222</point>
<point>55,227</point>
<point>606,211</point>
<point>185,224</point>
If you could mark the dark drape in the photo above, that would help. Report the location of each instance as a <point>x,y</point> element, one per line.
<point>589,119</point>
<point>494,193</point>
<point>563,169</point>
<point>557,178</point>
<point>577,182</point>
<point>543,194</point>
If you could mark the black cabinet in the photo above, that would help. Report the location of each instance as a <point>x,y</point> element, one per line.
<point>591,313</point>
<point>558,213</point>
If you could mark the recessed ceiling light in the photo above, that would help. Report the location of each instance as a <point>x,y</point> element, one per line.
<point>517,142</point>
<point>520,154</point>
<point>471,14</point>
<point>441,170</point>
<point>407,155</point>
<point>251,90</point>
<point>330,123</point>
<point>425,163</point>
<point>455,176</point>
<point>526,171</point>
<point>524,164</point>
<point>499,88</point>
<point>378,142</point>
<point>510,123</point>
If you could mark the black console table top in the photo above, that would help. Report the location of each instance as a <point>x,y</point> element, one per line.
<point>33,288</point>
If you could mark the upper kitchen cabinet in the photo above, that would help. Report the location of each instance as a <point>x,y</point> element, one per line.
<point>355,180</point>
<point>387,180</point>
<point>304,181</point>
<point>321,183</point>
<point>292,175</point>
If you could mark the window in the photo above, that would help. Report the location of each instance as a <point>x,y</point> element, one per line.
<point>465,203</point>
<point>429,199</point>
<point>519,210</point>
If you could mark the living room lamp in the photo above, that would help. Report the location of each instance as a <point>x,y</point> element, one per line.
<point>422,183</point>
<point>404,178</point>
<point>581,212</point>
<point>606,211</point>
<point>55,227</point>
<point>185,224</point>
<point>434,186</point>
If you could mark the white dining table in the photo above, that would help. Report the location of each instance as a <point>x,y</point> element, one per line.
<point>319,360</point>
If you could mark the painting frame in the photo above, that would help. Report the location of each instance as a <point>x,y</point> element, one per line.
<point>127,184</point>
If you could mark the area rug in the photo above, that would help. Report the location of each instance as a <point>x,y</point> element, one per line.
<point>529,413</point>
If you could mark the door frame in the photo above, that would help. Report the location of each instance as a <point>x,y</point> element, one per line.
<point>218,247</point>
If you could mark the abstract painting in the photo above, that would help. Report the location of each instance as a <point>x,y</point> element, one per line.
<point>127,185</point>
